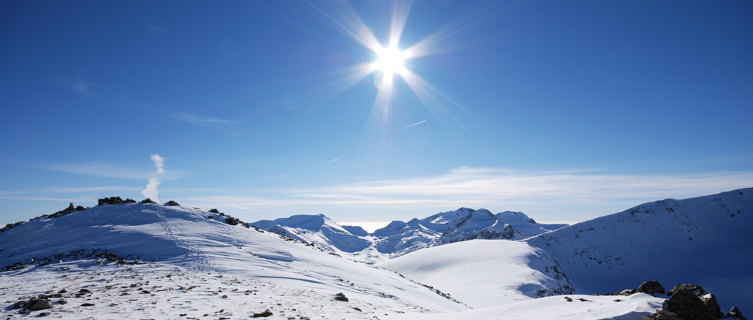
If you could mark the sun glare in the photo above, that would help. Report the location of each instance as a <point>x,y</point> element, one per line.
<point>390,60</point>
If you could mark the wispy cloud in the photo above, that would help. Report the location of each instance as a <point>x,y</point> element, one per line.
<point>555,195</point>
<point>155,29</point>
<point>195,118</point>
<point>105,170</point>
<point>78,85</point>
<point>413,125</point>
<point>98,169</point>
<point>333,160</point>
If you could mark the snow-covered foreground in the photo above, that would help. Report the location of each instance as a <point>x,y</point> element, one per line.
<point>483,273</point>
<point>196,249</point>
<point>582,307</point>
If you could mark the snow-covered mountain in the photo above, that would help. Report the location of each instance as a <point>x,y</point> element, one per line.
<point>705,240</point>
<point>317,229</point>
<point>202,264</point>
<point>398,237</point>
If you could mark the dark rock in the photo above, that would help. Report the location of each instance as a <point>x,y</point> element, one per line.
<point>43,314</point>
<point>172,203</point>
<point>690,287</point>
<point>35,304</point>
<point>264,314</point>
<point>735,313</point>
<point>686,304</point>
<point>87,304</point>
<point>232,221</point>
<point>82,292</point>
<point>110,200</point>
<point>712,304</point>
<point>341,297</point>
<point>624,292</point>
<point>569,299</point>
<point>651,287</point>
<point>147,200</point>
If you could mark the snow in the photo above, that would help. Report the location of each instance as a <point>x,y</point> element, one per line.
<point>194,265</point>
<point>204,250</point>
<point>481,273</point>
<point>705,240</point>
<point>556,307</point>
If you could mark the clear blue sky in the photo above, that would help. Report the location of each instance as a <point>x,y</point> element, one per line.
<point>565,110</point>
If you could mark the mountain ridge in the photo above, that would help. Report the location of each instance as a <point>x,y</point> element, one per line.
<point>399,237</point>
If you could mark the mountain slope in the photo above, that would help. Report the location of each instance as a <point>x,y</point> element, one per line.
<point>484,273</point>
<point>316,229</point>
<point>197,244</point>
<point>398,237</point>
<point>705,240</point>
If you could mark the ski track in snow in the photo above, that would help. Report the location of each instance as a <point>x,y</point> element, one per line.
<point>195,257</point>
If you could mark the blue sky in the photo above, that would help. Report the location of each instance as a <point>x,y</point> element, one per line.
<point>565,110</point>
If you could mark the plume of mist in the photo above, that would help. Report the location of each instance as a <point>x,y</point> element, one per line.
<point>151,190</point>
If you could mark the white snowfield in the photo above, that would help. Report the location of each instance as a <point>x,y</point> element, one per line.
<point>220,259</point>
<point>704,240</point>
<point>481,273</point>
<point>199,267</point>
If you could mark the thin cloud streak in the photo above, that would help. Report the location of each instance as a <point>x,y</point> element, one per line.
<point>104,170</point>
<point>56,190</point>
<point>563,195</point>
<point>98,169</point>
<point>415,124</point>
<point>195,118</point>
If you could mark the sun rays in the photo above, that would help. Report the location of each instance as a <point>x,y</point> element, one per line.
<point>389,61</point>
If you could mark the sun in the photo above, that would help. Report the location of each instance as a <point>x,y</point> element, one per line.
<point>390,61</point>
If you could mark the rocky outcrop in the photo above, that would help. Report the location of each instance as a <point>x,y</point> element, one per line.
<point>690,302</point>
<point>651,287</point>
<point>735,313</point>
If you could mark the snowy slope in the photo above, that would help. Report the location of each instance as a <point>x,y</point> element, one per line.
<point>583,307</point>
<point>503,279</point>
<point>316,229</point>
<point>483,273</point>
<point>525,225</point>
<point>190,243</point>
<point>705,240</point>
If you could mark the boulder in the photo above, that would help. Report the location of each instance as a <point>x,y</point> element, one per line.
<point>341,297</point>
<point>690,287</point>
<point>264,314</point>
<point>624,292</point>
<point>35,304</point>
<point>171,203</point>
<point>687,305</point>
<point>651,287</point>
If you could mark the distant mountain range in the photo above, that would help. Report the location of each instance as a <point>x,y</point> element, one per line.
<point>399,238</point>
